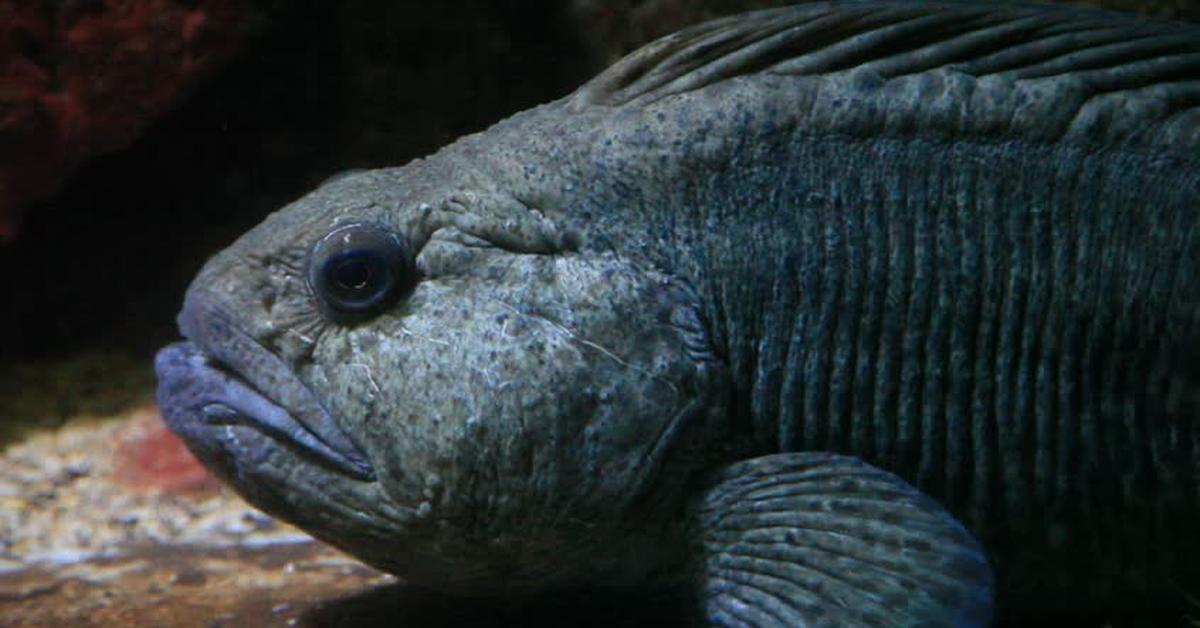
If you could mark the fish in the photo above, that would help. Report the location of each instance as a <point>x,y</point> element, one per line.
<point>869,312</point>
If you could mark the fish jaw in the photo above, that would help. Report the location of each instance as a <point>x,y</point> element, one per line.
<point>200,397</point>
<point>222,376</point>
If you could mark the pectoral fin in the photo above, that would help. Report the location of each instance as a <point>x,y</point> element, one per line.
<point>816,539</point>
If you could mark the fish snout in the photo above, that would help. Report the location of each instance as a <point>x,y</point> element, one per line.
<point>225,376</point>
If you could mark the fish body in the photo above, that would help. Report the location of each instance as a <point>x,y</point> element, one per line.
<point>871,313</point>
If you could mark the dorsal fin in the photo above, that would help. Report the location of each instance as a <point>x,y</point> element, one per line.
<point>1087,68</point>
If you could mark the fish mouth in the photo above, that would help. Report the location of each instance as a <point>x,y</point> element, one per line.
<point>220,378</point>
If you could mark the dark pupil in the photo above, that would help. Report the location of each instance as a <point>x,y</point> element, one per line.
<point>358,271</point>
<point>352,274</point>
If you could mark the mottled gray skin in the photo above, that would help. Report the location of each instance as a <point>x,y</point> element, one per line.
<point>963,249</point>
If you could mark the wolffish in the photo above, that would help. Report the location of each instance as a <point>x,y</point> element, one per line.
<point>824,311</point>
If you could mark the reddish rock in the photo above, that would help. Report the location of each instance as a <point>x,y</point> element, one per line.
<point>81,79</point>
<point>150,456</point>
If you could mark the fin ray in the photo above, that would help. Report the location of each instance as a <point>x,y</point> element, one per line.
<point>778,551</point>
<point>934,69</point>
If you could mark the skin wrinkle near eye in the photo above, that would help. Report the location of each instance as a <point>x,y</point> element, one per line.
<point>290,314</point>
<point>439,263</point>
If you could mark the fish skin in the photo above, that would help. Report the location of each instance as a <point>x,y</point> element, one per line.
<point>991,294</point>
<point>459,468</point>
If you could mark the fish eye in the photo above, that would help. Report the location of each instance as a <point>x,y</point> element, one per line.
<point>358,270</point>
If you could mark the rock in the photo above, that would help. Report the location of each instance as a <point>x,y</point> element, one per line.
<point>80,79</point>
<point>89,538</point>
<point>115,521</point>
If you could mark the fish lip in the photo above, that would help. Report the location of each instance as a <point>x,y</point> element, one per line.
<point>222,376</point>
<point>222,397</point>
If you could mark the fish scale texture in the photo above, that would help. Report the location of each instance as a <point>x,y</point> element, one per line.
<point>966,253</point>
<point>1009,327</point>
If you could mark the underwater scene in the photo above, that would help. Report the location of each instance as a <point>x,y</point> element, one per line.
<point>599,313</point>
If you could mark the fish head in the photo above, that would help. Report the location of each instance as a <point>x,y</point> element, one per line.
<point>417,367</point>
